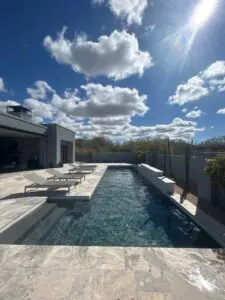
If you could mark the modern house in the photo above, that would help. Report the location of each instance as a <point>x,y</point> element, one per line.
<point>23,143</point>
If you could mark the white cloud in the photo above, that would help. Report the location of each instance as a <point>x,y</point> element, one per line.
<point>212,127</point>
<point>194,114</point>
<point>131,11</point>
<point>214,70</point>
<point>177,129</point>
<point>148,29</point>
<point>111,121</point>
<point>116,56</point>
<point>3,104</point>
<point>212,79</point>
<point>190,91</point>
<point>103,101</point>
<point>2,85</point>
<point>40,91</point>
<point>105,110</point>
<point>40,110</point>
<point>221,111</point>
<point>184,110</point>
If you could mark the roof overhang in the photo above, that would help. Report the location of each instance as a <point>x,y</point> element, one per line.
<point>15,124</point>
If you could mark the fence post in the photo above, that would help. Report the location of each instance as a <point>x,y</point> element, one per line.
<point>203,180</point>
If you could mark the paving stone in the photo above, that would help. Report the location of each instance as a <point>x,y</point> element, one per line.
<point>155,296</point>
<point>118,285</point>
<point>153,281</point>
<point>25,256</point>
<point>110,258</point>
<point>135,259</point>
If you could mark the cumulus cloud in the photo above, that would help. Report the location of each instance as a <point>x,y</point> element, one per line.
<point>214,70</point>
<point>40,110</point>
<point>116,56</point>
<point>111,121</point>
<point>131,11</point>
<point>103,101</point>
<point>210,80</point>
<point>190,91</point>
<point>184,110</point>
<point>2,85</point>
<point>3,104</point>
<point>177,129</point>
<point>42,88</point>
<point>94,110</point>
<point>194,114</point>
<point>221,111</point>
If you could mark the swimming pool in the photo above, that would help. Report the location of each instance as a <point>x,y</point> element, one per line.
<point>124,211</point>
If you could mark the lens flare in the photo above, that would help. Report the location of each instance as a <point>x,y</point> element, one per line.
<point>202,13</point>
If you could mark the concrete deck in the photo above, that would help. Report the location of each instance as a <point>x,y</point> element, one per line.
<point>49,272</point>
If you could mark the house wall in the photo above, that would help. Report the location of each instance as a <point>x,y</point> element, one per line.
<point>43,141</point>
<point>56,136</point>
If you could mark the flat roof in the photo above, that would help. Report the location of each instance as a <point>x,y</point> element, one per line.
<point>19,124</point>
<point>5,121</point>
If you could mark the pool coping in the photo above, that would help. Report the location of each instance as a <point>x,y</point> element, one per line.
<point>22,216</point>
<point>211,226</point>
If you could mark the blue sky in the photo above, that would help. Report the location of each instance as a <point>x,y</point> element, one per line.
<point>122,69</point>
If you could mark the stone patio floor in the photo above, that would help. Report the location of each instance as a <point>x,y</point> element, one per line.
<point>62,272</point>
<point>117,273</point>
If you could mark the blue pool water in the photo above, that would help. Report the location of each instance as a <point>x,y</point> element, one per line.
<point>124,211</point>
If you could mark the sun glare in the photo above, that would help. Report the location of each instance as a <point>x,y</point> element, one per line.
<point>202,12</point>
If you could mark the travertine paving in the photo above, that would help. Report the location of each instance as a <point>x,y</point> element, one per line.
<point>64,272</point>
<point>61,272</point>
<point>14,204</point>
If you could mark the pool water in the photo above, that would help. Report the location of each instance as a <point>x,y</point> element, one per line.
<point>124,211</point>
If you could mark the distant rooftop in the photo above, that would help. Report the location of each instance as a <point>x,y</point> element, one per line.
<point>18,109</point>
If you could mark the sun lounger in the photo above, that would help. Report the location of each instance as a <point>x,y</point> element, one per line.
<point>85,170</point>
<point>83,165</point>
<point>41,182</point>
<point>61,176</point>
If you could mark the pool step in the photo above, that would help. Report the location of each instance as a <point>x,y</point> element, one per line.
<point>155,177</point>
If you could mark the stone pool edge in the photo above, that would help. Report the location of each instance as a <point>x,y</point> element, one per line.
<point>166,186</point>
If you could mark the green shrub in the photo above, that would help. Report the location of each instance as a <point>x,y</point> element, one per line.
<point>215,168</point>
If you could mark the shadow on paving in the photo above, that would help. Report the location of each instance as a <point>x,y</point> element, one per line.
<point>51,192</point>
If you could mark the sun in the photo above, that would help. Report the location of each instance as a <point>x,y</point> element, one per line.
<point>202,12</point>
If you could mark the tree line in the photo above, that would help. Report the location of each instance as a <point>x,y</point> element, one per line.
<point>103,145</point>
